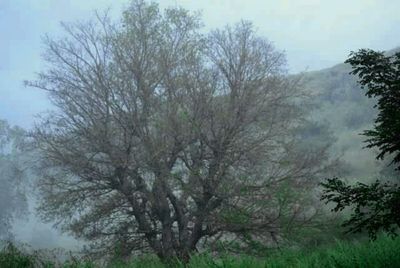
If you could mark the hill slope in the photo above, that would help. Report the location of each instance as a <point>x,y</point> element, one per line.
<point>342,104</point>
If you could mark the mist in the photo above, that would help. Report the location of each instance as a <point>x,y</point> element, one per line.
<point>313,37</point>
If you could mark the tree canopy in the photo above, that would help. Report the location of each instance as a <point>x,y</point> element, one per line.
<point>168,139</point>
<point>380,75</point>
<point>377,206</point>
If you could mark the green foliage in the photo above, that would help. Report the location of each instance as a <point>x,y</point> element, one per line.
<point>380,75</point>
<point>381,253</point>
<point>377,206</point>
<point>11,257</point>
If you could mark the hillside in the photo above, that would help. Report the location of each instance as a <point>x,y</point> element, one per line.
<point>348,112</point>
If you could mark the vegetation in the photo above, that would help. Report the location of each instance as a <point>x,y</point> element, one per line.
<point>171,146</point>
<point>381,253</point>
<point>380,74</point>
<point>168,140</point>
<point>375,207</point>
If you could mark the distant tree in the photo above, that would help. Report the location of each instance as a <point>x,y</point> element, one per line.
<point>377,206</point>
<point>167,139</point>
<point>12,174</point>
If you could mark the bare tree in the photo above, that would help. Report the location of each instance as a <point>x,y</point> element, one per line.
<point>165,138</point>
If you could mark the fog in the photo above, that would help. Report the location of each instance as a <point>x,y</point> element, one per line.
<point>316,37</point>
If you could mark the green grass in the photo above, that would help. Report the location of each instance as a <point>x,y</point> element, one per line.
<point>385,252</point>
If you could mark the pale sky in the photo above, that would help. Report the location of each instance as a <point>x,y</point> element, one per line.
<point>314,34</point>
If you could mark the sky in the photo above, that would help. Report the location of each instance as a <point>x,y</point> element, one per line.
<point>314,34</point>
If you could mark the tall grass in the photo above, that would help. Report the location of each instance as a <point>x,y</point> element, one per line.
<point>385,252</point>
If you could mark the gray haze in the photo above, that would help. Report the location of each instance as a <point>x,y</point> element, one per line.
<point>314,34</point>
